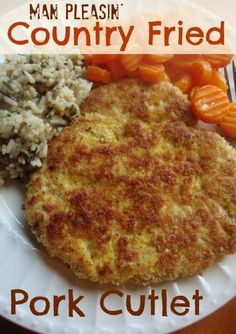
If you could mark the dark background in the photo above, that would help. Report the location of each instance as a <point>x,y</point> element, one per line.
<point>221,322</point>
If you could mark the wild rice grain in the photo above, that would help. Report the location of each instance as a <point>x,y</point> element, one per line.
<point>39,95</point>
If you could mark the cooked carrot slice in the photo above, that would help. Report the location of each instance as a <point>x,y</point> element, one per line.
<point>219,81</point>
<point>157,59</point>
<point>131,62</point>
<point>165,77</point>
<point>180,65</point>
<point>209,103</point>
<point>151,73</point>
<point>218,61</point>
<point>184,83</point>
<point>201,72</point>
<point>116,69</point>
<point>88,59</point>
<point>133,74</point>
<point>103,59</point>
<point>97,74</point>
<point>184,62</point>
<point>174,72</point>
<point>192,92</point>
<point>228,123</point>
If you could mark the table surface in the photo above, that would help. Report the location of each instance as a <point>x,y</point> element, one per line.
<point>221,322</point>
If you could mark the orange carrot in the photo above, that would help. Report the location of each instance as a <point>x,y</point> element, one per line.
<point>103,59</point>
<point>152,74</point>
<point>228,123</point>
<point>192,92</point>
<point>97,74</point>
<point>174,72</point>
<point>133,74</point>
<point>131,62</point>
<point>116,69</point>
<point>184,62</point>
<point>201,72</point>
<point>88,59</point>
<point>180,65</point>
<point>219,81</point>
<point>165,77</point>
<point>185,71</point>
<point>209,103</point>
<point>184,83</point>
<point>218,61</point>
<point>157,59</point>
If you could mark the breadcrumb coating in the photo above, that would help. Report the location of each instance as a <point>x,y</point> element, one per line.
<point>133,191</point>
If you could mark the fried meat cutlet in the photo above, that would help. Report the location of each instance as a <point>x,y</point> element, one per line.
<point>133,191</point>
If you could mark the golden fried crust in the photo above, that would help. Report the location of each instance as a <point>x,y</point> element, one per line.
<point>132,191</point>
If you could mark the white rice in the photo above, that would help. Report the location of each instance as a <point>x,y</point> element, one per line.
<point>39,95</point>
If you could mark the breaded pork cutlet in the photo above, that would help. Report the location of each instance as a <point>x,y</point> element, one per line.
<point>132,191</point>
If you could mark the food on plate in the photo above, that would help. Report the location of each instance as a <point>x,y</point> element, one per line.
<point>133,191</point>
<point>228,123</point>
<point>157,59</point>
<point>95,73</point>
<point>183,62</point>
<point>210,103</point>
<point>101,59</point>
<point>184,83</point>
<point>201,72</point>
<point>130,62</point>
<point>218,81</point>
<point>116,69</point>
<point>39,95</point>
<point>152,74</point>
<point>186,71</point>
<point>219,60</point>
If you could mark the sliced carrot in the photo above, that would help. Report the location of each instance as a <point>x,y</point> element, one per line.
<point>151,73</point>
<point>228,123</point>
<point>201,72</point>
<point>88,59</point>
<point>185,71</point>
<point>133,74</point>
<point>116,69</point>
<point>210,104</point>
<point>192,92</point>
<point>219,60</point>
<point>184,83</point>
<point>174,72</point>
<point>157,59</point>
<point>184,62</point>
<point>166,77</point>
<point>131,62</point>
<point>219,81</point>
<point>103,59</point>
<point>180,65</point>
<point>97,74</point>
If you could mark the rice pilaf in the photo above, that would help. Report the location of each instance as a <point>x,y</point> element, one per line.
<point>39,95</point>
